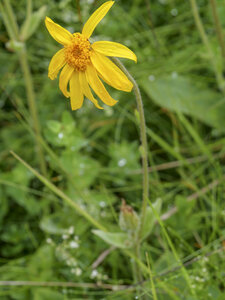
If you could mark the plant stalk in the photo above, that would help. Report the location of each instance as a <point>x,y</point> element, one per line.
<point>199,25</point>
<point>13,31</point>
<point>11,18</point>
<point>32,107</point>
<point>218,27</point>
<point>144,145</point>
<point>144,155</point>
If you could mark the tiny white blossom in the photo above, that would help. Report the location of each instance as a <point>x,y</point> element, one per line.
<point>74,245</point>
<point>71,230</point>
<point>94,273</point>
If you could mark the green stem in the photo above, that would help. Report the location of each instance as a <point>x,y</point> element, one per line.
<point>60,194</point>
<point>32,106</point>
<point>11,18</point>
<point>218,74</point>
<point>79,12</point>
<point>144,155</point>
<point>218,27</point>
<point>7,23</point>
<point>13,31</point>
<point>144,145</point>
<point>173,249</point>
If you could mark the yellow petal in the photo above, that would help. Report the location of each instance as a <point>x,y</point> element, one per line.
<point>76,94</point>
<point>56,63</point>
<point>64,78</point>
<point>60,34</point>
<point>110,73</point>
<point>95,18</point>
<point>114,49</point>
<point>98,86</point>
<point>86,90</point>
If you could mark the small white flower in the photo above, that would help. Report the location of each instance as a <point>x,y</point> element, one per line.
<point>78,271</point>
<point>94,273</point>
<point>122,162</point>
<point>71,230</point>
<point>60,135</point>
<point>74,245</point>
<point>151,77</point>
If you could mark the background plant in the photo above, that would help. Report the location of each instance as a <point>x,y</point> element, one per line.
<point>42,238</point>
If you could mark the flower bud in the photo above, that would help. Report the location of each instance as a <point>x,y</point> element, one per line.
<point>128,219</point>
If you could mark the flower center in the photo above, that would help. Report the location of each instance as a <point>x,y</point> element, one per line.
<point>77,53</point>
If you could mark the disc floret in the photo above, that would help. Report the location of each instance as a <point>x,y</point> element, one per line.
<point>78,52</point>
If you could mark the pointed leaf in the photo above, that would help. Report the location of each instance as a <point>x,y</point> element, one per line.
<point>31,23</point>
<point>151,218</point>
<point>117,239</point>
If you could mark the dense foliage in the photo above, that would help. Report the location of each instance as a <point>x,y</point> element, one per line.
<point>93,156</point>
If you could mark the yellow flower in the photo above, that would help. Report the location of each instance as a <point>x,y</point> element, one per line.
<point>83,63</point>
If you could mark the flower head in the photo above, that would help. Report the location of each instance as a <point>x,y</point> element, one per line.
<point>83,63</point>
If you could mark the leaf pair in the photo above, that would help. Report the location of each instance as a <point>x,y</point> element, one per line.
<point>124,240</point>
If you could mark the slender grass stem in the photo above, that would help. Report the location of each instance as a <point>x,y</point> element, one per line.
<point>32,107</point>
<point>151,278</point>
<point>60,194</point>
<point>13,31</point>
<point>200,27</point>
<point>79,12</point>
<point>173,249</point>
<point>218,27</point>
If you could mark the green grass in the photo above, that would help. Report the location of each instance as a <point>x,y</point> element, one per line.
<point>47,246</point>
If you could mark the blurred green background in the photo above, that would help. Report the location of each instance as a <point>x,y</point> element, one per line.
<point>93,155</point>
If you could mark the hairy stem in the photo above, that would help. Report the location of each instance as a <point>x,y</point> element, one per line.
<point>144,145</point>
<point>144,155</point>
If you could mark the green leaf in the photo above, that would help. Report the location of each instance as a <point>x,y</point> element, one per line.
<point>83,168</point>
<point>57,223</point>
<point>183,95</point>
<point>117,239</point>
<point>151,218</point>
<point>47,294</point>
<point>54,126</point>
<point>31,23</point>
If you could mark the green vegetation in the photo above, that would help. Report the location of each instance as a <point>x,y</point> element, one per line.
<point>64,233</point>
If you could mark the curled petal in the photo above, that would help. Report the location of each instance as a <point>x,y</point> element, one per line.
<point>64,78</point>
<point>56,63</point>
<point>98,86</point>
<point>108,48</point>
<point>110,73</point>
<point>86,89</point>
<point>95,18</point>
<point>60,34</point>
<point>76,94</point>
